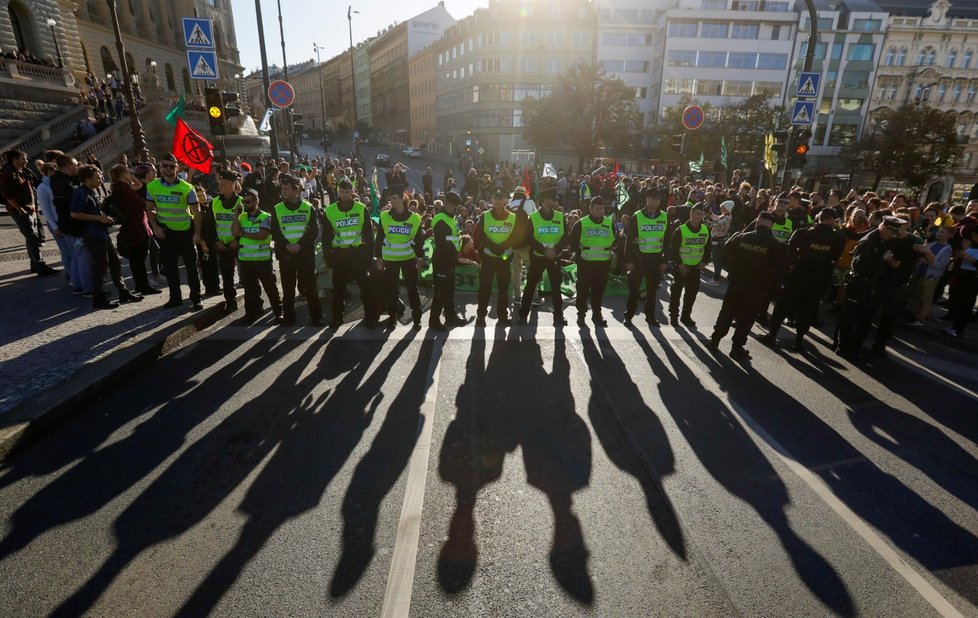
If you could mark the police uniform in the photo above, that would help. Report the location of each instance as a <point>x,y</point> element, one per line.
<point>646,243</point>
<point>348,248</point>
<point>207,260</point>
<point>447,244</point>
<point>814,252</point>
<point>493,240</point>
<point>171,204</point>
<point>691,248</point>
<point>297,224</point>
<point>218,229</point>
<point>547,231</point>
<point>592,239</point>
<point>755,260</point>
<point>399,244</point>
<point>255,262</point>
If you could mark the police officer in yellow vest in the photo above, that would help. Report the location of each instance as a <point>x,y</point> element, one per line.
<point>646,242</point>
<point>348,246</point>
<point>217,233</point>
<point>295,229</point>
<point>493,240</point>
<point>592,239</point>
<point>447,244</point>
<point>689,251</point>
<point>782,227</point>
<point>171,205</point>
<point>399,251</point>
<point>548,237</point>
<point>252,227</point>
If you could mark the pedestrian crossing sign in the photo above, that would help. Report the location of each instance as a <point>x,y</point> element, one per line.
<point>808,84</point>
<point>803,113</point>
<point>198,33</point>
<point>202,64</point>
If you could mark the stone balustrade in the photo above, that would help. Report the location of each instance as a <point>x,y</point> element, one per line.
<point>57,130</point>
<point>15,69</point>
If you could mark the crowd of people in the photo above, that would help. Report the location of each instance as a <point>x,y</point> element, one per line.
<point>785,252</point>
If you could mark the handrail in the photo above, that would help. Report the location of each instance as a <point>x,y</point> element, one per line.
<point>18,69</point>
<point>101,143</point>
<point>56,129</point>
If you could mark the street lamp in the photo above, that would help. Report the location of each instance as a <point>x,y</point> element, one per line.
<point>57,48</point>
<point>138,138</point>
<point>322,90</point>
<point>353,75</point>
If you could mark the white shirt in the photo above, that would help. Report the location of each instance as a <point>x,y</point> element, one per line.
<point>529,207</point>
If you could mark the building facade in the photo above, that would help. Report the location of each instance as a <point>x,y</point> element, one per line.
<point>361,63</point>
<point>422,85</point>
<point>493,60</point>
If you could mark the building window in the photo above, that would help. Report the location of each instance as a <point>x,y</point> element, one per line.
<point>831,77</point>
<point>777,7</point>
<point>641,93</point>
<point>850,105</point>
<point>716,5</point>
<point>108,64</point>
<point>966,59</point>
<point>709,87</point>
<point>744,31</point>
<point>682,29</point>
<point>956,94</point>
<point>941,92</point>
<point>528,64</point>
<point>772,61</point>
<point>712,59</point>
<point>901,58</point>
<point>681,58</point>
<point>582,39</point>
<point>529,38</point>
<point>517,118</point>
<point>820,49</point>
<point>186,82</point>
<point>742,60</point>
<point>890,55</point>
<point>714,31</point>
<point>552,65</point>
<point>613,38</point>
<point>866,25</point>
<point>837,51</point>
<point>170,85</point>
<point>737,89</point>
<point>972,91</point>
<point>679,86</point>
<point>555,37</point>
<point>855,79</point>
<point>861,51</point>
<point>842,135</point>
<point>776,33</point>
<point>824,23</point>
<point>771,89</point>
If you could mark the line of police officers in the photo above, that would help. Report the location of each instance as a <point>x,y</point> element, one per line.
<point>768,261</point>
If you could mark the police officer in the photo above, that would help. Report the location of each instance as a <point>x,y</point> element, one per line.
<point>171,205</point>
<point>754,261</point>
<point>644,252</point>
<point>217,234</point>
<point>592,238</point>
<point>783,226</point>
<point>252,227</point>
<point>493,240</point>
<point>689,251</point>
<point>295,229</point>
<point>348,248</point>
<point>399,249</point>
<point>447,243</point>
<point>548,237</point>
<point>813,252</point>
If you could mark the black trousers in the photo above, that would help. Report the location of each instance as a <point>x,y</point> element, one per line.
<point>443,292</point>
<point>137,264</point>
<point>392,275</point>
<point>226,262</point>
<point>352,268</point>
<point>490,269</point>
<point>740,304</point>
<point>254,277</point>
<point>964,290</point>
<point>209,268</point>
<point>646,269</point>
<point>104,257</point>
<point>688,283</point>
<point>179,245</point>
<point>592,277</point>
<point>799,298</point>
<point>301,270</point>
<point>534,273</point>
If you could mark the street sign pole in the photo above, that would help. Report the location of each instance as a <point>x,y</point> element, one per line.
<point>264,73</point>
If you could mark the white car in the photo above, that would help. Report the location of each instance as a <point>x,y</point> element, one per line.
<point>412,153</point>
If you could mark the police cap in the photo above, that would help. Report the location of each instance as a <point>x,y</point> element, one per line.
<point>894,223</point>
<point>345,184</point>
<point>248,193</point>
<point>660,192</point>
<point>765,216</point>
<point>230,175</point>
<point>548,193</point>
<point>500,192</point>
<point>289,179</point>
<point>452,197</point>
<point>395,189</point>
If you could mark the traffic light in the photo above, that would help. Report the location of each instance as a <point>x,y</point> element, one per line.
<point>231,107</point>
<point>800,147</point>
<point>779,138</point>
<point>215,111</point>
<point>297,125</point>
<point>679,143</point>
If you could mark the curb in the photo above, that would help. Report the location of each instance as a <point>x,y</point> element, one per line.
<point>30,419</point>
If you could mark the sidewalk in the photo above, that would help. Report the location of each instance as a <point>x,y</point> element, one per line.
<point>48,335</point>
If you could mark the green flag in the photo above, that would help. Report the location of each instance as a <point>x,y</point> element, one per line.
<point>696,166</point>
<point>723,152</point>
<point>177,111</point>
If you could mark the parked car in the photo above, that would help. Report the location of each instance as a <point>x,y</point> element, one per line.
<point>382,160</point>
<point>412,153</point>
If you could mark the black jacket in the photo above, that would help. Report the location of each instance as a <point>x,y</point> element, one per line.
<point>815,251</point>
<point>754,259</point>
<point>63,186</point>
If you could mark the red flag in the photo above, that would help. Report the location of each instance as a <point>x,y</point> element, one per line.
<point>526,181</point>
<point>190,148</point>
<point>615,172</point>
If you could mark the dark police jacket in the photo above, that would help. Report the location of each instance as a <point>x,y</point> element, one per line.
<point>754,259</point>
<point>815,251</point>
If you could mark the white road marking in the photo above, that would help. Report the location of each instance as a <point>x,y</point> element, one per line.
<point>825,493</point>
<point>400,580</point>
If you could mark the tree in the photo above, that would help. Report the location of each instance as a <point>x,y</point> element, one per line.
<point>912,144</point>
<point>586,112</point>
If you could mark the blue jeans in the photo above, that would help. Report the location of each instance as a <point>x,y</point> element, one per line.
<point>30,228</point>
<point>67,254</point>
<point>81,264</point>
<point>717,254</point>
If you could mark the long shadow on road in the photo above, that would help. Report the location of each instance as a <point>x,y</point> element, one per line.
<point>556,447</point>
<point>734,460</point>
<point>913,524</point>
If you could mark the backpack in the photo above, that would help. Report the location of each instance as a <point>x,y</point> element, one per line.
<point>110,206</point>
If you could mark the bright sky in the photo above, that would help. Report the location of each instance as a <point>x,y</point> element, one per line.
<point>307,22</point>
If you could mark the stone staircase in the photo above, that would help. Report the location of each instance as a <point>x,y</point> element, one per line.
<point>19,117</point>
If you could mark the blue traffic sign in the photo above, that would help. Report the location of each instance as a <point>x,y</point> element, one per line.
<point>803,113</point>
<point>203,64</point>
<point>693,117</point>
<point>198,33</point>
<point>281,93</point>
<point>808,84</point>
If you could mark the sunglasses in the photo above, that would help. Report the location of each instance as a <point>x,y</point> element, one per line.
<point>168,167</point>
<point>248,202</point>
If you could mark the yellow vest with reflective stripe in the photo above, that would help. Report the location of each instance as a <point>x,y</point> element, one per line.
<point>223,217</point>
<point>172,203</point>
<point>596,239</point>
<point>651,232</point>
<point>347,226</point>
<point>692,248</point>
<point>498,231</point>
<point>782,232</point>
<point>399,236</point>
<point>453,237</point>
<point>293,223</point>
<point>547,233</point>
<point>254,250</point>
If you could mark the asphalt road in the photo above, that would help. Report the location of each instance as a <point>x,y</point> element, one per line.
<point>415,168</point>
<point>518,472</point>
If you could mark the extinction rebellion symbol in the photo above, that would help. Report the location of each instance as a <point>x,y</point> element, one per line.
<point>196,149</point>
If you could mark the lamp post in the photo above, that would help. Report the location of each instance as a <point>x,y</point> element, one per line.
<point>353,74</point>
<point>57,48</point>
<point>138,138</point>
<point>322,91</point>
